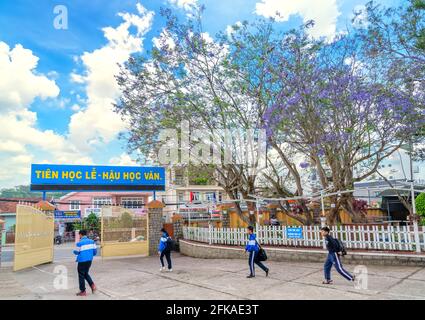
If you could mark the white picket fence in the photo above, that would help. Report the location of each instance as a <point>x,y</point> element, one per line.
<point>366,237</point>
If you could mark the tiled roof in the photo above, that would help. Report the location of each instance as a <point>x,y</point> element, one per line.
<point>10,206</point>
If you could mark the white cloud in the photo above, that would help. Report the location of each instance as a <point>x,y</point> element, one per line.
<point>164,39</point>
<point>22,143</point>
<point>184,4</point>
<point>98,123</point>
<point>230,29</point>
<point>324,12</point>
<point>123,160</point>
<point>77,78</point>
<point>360,17</point>
<point>75,108</point>
<point>19,85</point>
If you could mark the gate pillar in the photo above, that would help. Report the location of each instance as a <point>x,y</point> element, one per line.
<point>155,209</point>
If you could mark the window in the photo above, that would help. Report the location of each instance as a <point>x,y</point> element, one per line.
<point>132,203</point>
<point>196,196</point>
<point>181,197</point>
<point>210,196</point>
<point>99,202</point>
<point>74,205</point>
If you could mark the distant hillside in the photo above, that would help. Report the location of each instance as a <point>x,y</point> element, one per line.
<point>24,192</point>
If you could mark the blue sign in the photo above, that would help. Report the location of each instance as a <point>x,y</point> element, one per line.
<point>49,177</point>
<point>67,215</point>
<point>294,233</point>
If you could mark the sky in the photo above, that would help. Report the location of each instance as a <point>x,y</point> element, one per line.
<point>58,67</point>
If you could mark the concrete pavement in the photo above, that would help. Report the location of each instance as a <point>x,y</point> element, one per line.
<point>140,278</point>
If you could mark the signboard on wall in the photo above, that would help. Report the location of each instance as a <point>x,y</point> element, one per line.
<point>49,177</point>
<point>294,233</point>
<point>67,215</point>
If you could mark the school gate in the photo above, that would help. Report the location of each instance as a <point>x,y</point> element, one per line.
<point>33,237</point>
<point>124,232</point>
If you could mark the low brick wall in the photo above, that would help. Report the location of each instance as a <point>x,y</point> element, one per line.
<point>205,251</point>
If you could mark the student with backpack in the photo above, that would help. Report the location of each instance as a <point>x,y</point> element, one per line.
<point>253,248</point>
<point>164,249</point>
<point>335,247</point>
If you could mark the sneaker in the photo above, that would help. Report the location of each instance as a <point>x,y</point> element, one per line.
<point>250,276</point>
<point>93,288</point>
<point>170,270</point>
<point>267,272</point>
<point>82,294</point>
<point>327,282</point>
<point>161,269</point>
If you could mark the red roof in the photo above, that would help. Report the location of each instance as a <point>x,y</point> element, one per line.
<point>8,205</point>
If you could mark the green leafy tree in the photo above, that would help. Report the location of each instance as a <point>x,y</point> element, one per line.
<point>91,222</point>
<point>420,207</point>
<point>126,220</point>
<point>25,192</point>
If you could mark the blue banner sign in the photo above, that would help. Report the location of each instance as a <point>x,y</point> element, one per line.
<point>49,177</point>
<point>67,215</point>
<point>294,233</point>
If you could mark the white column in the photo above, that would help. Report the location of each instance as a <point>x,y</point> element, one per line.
<point>414,217</point>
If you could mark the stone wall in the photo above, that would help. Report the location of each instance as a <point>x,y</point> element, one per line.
<point>155,225</point>
<point>178,232</point>
<point>205,251</point>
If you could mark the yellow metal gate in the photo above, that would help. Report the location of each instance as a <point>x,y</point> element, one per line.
<point>33,237</point>
<point>124,232</point>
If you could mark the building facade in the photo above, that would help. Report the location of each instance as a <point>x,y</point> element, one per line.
<point>92,202</point>
<point>191,198</point>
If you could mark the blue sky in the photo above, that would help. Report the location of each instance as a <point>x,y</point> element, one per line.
<point>56,86</point>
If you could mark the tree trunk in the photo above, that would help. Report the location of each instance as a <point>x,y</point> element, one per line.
<point>356,216</point>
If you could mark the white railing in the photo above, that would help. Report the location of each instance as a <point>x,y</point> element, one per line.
<point>367,237</point>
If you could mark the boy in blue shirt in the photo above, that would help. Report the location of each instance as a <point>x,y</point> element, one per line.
<point>252,247</point>
<point>86,250</point>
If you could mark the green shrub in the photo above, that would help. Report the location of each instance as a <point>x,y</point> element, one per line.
<point>420,205</point>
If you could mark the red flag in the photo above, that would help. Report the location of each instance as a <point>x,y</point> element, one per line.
<point>191,197</point>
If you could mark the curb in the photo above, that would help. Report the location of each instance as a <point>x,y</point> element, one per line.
<point>206,251</point>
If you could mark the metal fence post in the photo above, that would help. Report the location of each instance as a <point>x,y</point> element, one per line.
<point>209,233</point>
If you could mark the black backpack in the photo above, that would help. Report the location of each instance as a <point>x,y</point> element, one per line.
<point>170,243</point>
<point>261,255</point>
<point>341,247</point>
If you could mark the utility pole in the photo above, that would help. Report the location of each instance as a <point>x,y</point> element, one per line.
<point>323,217</point>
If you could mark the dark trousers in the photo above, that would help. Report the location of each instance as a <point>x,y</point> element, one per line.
<point>167,254</point>
<point>83,275</point>
<point>253,259</point>
<point>334,260</point>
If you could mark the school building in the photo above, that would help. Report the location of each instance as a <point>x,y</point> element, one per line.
<point>93,202</point>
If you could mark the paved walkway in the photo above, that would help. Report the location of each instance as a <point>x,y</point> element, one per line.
<point>140,278</point>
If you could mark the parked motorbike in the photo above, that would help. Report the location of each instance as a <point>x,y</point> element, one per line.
<point>58,240</point>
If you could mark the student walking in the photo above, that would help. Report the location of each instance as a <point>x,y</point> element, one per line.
<point>252,247</point>
<point>86,250</point>
<point>333,258</point>
<point>164,249</point>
